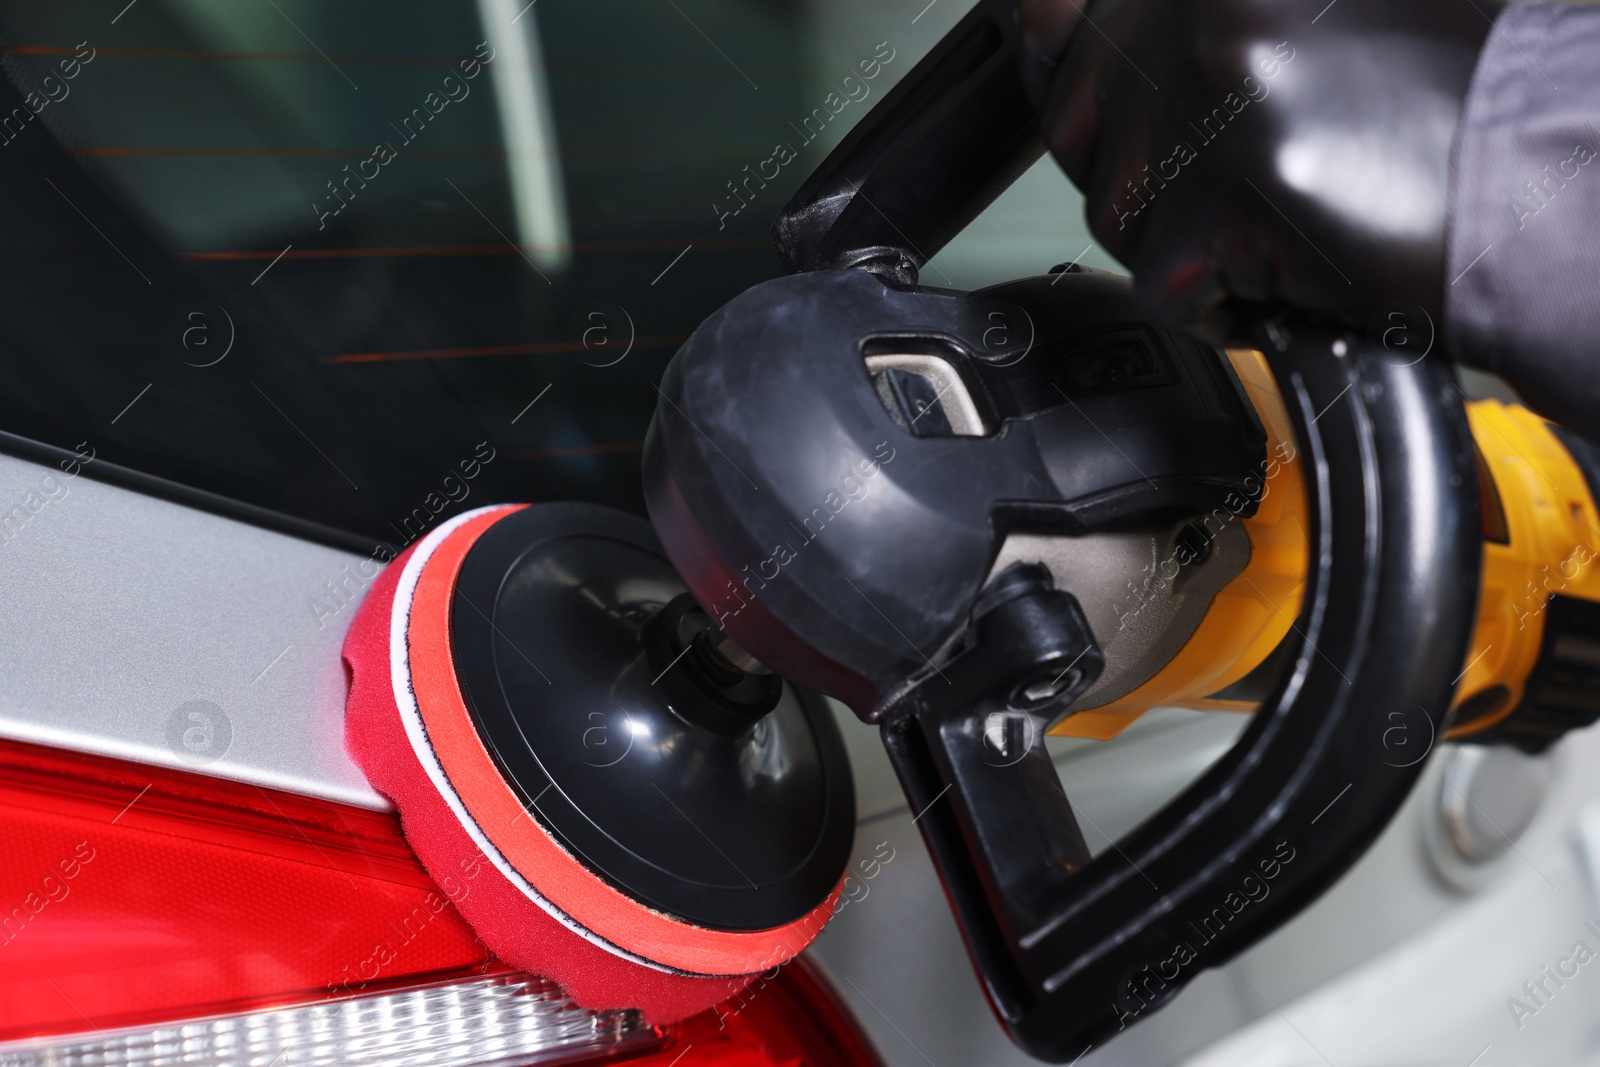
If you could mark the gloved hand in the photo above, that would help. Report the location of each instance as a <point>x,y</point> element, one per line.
<point>1288,151</point>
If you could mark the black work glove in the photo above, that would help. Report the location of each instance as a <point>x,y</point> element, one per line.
<point>1293,152</point>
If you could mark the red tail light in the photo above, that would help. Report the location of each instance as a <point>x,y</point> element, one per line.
<point>144,911</point>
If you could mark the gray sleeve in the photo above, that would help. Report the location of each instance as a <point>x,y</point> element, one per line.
<point>1522,285</point>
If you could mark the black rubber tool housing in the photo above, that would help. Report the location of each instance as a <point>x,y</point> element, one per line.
<point>1098,417</point>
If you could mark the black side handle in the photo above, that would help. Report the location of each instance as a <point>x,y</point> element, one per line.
<point>1389,602</point>
<point>949,138</point>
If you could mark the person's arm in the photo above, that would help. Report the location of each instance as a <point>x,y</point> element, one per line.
<point>1522,293</point>
<point>1367,159</point>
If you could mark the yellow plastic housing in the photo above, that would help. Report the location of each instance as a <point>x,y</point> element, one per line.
<point>1544,545</point>
<point>1540,529</point>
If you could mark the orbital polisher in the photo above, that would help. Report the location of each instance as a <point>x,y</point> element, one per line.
<point>974,518</point>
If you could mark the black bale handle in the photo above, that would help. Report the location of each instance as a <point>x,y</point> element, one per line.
<point>1389,601</point>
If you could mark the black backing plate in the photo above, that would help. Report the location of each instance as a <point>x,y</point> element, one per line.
<point>733,833</point>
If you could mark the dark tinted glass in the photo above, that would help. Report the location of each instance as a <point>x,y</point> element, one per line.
<point>370,262</point>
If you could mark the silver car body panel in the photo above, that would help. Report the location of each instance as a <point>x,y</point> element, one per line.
<point>121,609</point>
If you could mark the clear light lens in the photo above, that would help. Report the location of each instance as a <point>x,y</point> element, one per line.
<point>496,1021</point>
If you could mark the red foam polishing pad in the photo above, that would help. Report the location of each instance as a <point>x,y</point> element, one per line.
<point>534,903</point>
